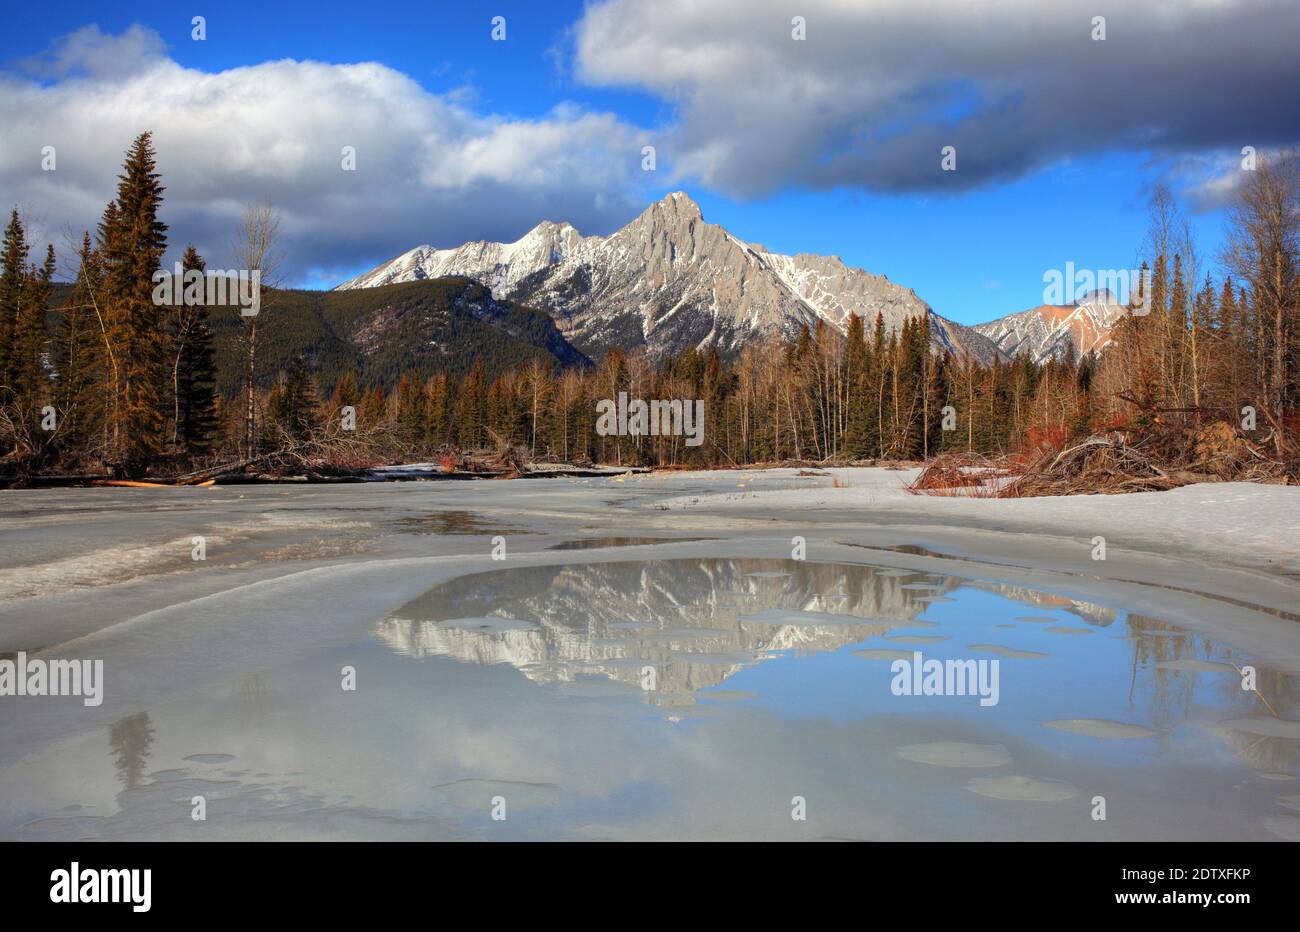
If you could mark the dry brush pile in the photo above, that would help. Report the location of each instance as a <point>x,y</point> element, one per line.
<point>1118,461</point>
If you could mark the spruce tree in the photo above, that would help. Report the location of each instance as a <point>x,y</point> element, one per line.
<point>193,370</point>
<point>13,272</point>
<point>346,394</point>
<point>855,377</point>
<point>370,412</point>
<point>437,410</point>
<point>24,295</point>
<point>473,408</point>
<point>28,349</point>
<point>409,412</point>
<point>79,360</point>
<point>133,243</point>
<point>294,403</point>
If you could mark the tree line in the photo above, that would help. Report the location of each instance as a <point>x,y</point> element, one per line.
<point>113,379</point>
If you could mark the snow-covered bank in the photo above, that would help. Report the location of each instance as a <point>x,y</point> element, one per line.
<point>1227,523</point>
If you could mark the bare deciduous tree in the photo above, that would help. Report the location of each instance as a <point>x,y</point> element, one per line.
<point>255,251</point>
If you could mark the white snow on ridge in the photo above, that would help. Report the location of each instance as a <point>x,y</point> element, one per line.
<point>1052,331</point>
<point>719,287</point>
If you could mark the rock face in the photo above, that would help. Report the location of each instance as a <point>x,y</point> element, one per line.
<point>1053,331</point>
<point>669,280</point>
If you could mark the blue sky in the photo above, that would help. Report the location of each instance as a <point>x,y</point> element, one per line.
<point>791,170</point>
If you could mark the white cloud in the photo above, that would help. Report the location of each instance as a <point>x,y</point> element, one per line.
<point>877,89</point>
<point>429,168</point>
<point>1211,180</point>
<point>89,51</point>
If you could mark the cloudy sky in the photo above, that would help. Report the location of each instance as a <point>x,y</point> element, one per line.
<point>830,144</point>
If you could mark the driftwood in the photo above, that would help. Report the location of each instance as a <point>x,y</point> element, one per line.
<point>972,475</point>
<point>1156,459</point>
<point>211,472</point>
<point>1163,458</point>
<point>562,470</point>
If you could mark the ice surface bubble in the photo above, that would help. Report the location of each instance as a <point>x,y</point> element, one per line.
<point>956,754</point>
<point>1023,789</point>
<point>883,654</point>
<point>1100,728</point>
<point>1009,651</point>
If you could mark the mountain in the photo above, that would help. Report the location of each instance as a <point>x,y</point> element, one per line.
<point>669,280</point>
<point>1052,331</point>
<point>697,622</point>
<point>379,333</point>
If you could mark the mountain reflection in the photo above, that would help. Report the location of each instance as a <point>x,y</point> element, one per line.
<point>694,622</point>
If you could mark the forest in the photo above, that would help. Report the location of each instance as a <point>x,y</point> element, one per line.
<point>99,379</point>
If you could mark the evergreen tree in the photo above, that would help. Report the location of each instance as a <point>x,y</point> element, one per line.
<point>409,412</point>
<point>193,370</point>
<point>855,377</point>
<point>437,410</point>
<point>13,274</point>
<point>294,404</point>
<point>133,241</point>
<point>371,414</point>
<point>1172,338</point>
<point>346,394</point>
<point>498,410</point>
<point>79,361</point>
<point>24,386</point>
<point>472,408</point>
<point>27,352</point>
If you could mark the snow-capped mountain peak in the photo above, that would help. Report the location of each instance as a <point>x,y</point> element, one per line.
<point>1054,331</point>
<point>669,280</point>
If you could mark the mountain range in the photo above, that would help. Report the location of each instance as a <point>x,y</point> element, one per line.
<point>1053,331</point>
<point>671,280</point>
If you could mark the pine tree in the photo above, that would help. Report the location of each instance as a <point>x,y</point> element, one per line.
<point>346,394</point>
<point>79,360</point>
<point>28,350</point>
<point>294,404</point>
<point>133,241</point>
<point>1232,344</point>
<point>13,273</point>
<point>437,410</point>
<point>859,400</point>
<point>370,412</point>
<point>472,413</point>
<point>193,369</point>
<point>498,410</point>
<point>24,386</point>
<point>1175,328</point>
<point>409,412</point>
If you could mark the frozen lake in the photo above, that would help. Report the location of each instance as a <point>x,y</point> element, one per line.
<point>643,658</point>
